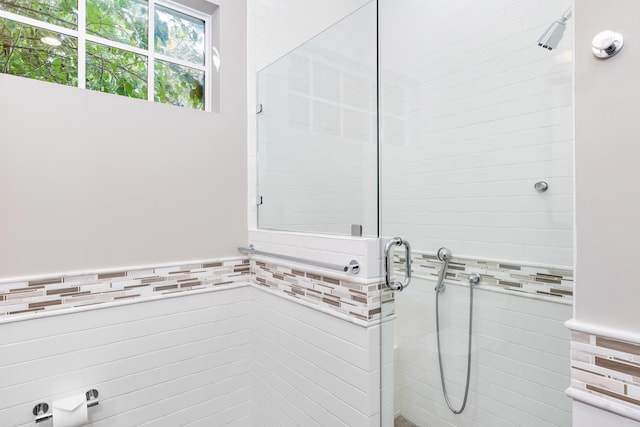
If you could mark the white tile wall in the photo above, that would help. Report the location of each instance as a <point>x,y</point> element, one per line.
<point>165,362</point>
<point>473,114</point>
<point>520,358</point>
<point>589,416</point>
<point>235,357</point>
<point>313,369</point>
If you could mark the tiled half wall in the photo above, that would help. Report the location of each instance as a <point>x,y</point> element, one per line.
<point>509,276</point>
<point>607,369</point>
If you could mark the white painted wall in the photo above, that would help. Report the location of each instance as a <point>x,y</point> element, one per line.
<point>607,180</point>
<point>473,114</point>
<point>520,358</point>
<point>90,180</point>
<point>607,175</point>
<point>235,357</point>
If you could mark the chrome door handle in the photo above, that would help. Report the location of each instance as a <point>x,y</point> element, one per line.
<point>397,241</point>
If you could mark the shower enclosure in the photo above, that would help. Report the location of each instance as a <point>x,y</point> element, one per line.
<point>474,119</point>
<point>466,126</point>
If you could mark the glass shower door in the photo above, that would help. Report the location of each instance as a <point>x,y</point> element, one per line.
<point>317,153</point>
<point>475,153</point>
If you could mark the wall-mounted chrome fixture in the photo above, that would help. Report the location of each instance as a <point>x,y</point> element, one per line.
<point>444,255</point>
<point>552,36</point>
<point>353,266</point>
<point>606,44</point>
<point>397,286</point>
<point>41,410</point>
<point>541,186</point>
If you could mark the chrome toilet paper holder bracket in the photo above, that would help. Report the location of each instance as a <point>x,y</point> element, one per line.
<point>41,410</point>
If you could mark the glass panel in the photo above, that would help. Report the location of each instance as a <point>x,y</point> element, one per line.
<point>317,133</point>
<point>38,54</point>
<point>124,21</point>
<point>116,71</point>
<point>178,35</point>
<point>474,114</point>
<point>178,85</point>
<point>59,12</point>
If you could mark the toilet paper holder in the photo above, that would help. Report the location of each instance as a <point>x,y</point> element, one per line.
<point>41,410</point>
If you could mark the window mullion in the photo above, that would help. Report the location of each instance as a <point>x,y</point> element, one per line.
<point>208,52</point>
<point>36,23</point>
<point>174,60</point>
<point>82,44</point>
<point>117,45</point>
<point>152,49</point>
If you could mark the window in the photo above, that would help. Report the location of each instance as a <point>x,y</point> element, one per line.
<point>111,46</point>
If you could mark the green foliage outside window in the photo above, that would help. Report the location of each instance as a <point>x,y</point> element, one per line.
<point>24,54</point>
<point>179,85</point>
<point>59,12</point>
<point>108,69</point>
<point>117,71</point>
<point>179,35</point>
<point>123,21</point>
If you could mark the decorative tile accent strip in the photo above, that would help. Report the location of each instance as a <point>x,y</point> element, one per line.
<point>606,368</point>
<point>80,290</point>
<point>363,302</point>
<point>537,280</point>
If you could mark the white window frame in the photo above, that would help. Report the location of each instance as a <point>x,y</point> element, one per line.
<point>81,35</point>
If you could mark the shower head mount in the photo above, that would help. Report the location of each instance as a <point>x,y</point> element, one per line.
<point>552,36</point>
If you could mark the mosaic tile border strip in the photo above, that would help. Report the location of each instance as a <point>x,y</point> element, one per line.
<point>67,291</point>
<point>509,276</point>
<point>362,302</point>
<point>606,368</point>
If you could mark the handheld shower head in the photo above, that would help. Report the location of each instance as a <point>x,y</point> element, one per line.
<point>552,36</point>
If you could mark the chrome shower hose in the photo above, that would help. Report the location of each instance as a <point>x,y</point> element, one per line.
<point>439,289</point>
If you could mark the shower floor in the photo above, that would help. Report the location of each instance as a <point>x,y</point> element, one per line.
<point>401,421</point>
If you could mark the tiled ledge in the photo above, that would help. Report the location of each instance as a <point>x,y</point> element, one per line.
<point>550,282</point>
<point>605,369</point>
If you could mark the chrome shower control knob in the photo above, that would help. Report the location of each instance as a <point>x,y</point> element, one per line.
<point>541,186</point>
<point>606,44</point>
